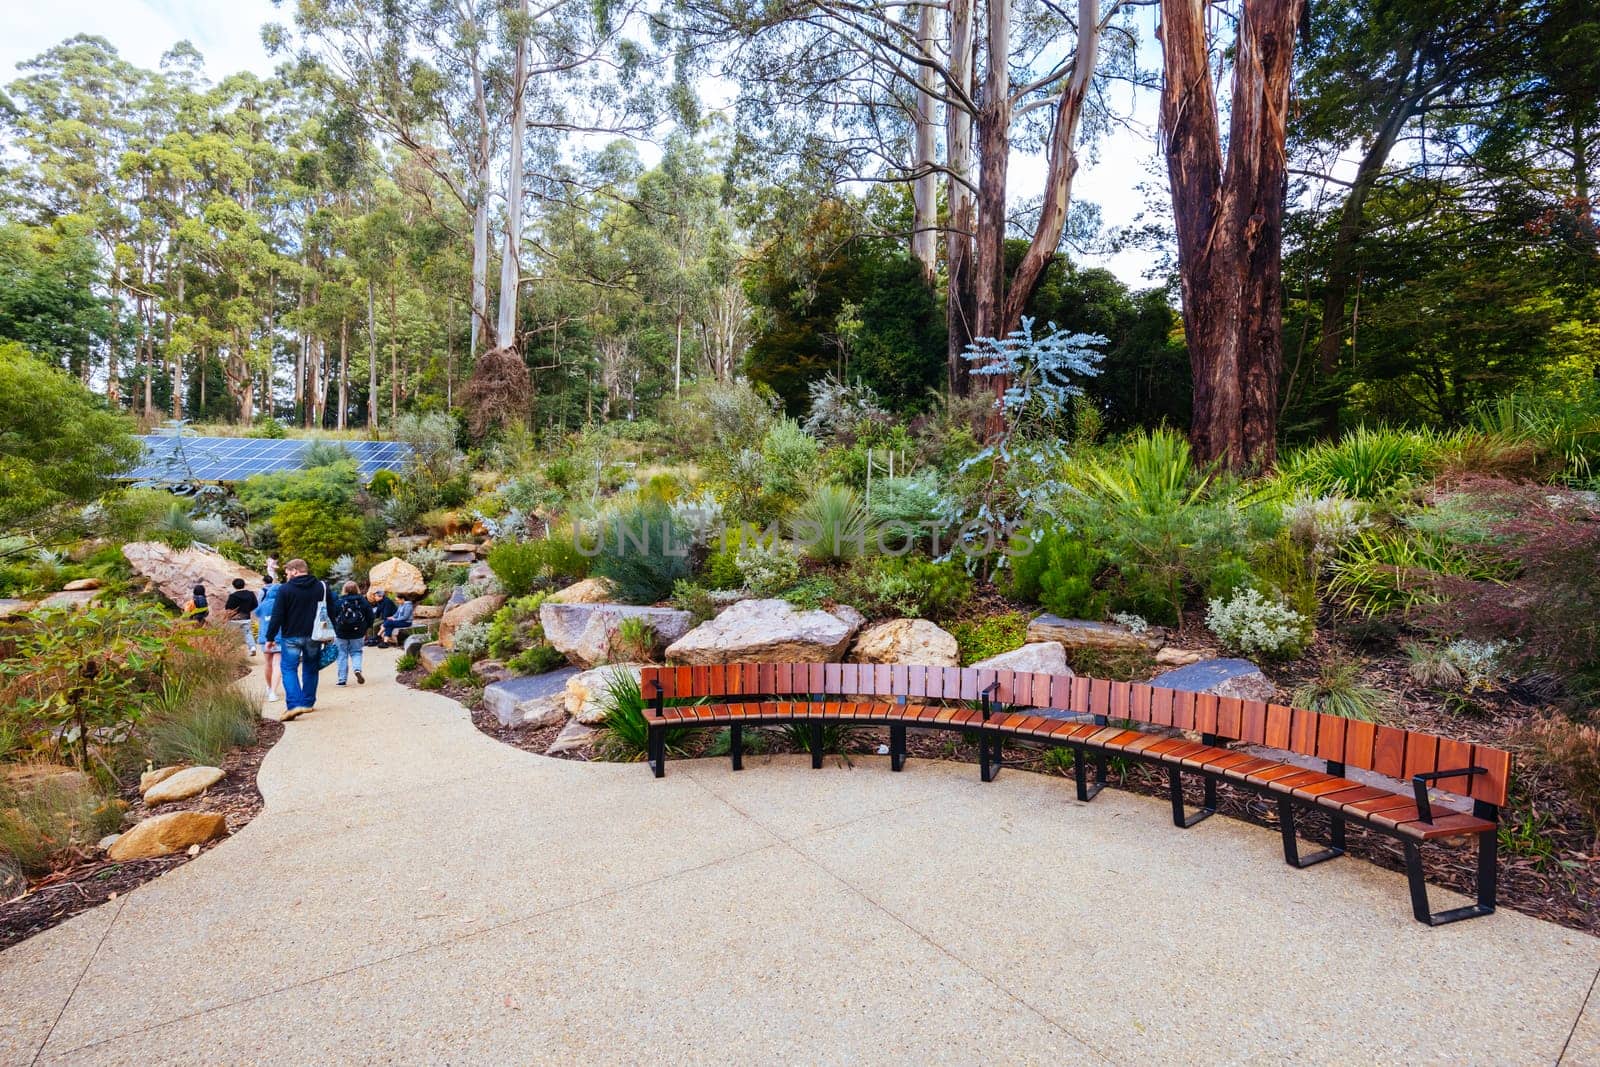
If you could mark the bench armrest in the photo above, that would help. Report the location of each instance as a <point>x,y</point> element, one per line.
<point>1419,785</point>
<point>658,702</point>
<point>989,694</point>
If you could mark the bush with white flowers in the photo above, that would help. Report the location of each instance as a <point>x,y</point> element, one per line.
<point>1325,523</point>
<point>1249,622</point>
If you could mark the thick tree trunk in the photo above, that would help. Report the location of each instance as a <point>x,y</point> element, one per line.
<point>925,189</point>
<point>1229,222</point>
<point>511,263</point>
<point>1062,168</point>
<point>1332,334</point>
<point>344,372</point>
<point>994,151</point>
<point>372,358</point>
<point>960,310</point>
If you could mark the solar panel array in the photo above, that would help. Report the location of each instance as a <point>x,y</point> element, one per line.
<point>173,458</point>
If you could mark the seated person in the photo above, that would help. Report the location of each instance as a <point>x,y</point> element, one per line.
<point>400,620</point>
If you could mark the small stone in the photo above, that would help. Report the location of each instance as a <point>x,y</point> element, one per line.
<point>1224,677</point>
<point>1044,657</point>
<point>1178,657</point>
<point>543,711</point>
<point>489,671</point>
<point>163,835</point>
<point>183,785</point>
<point>81,585</point>
<point>105,843</point>
<point>573,736</point>
<point>194,850</point>
<point>149,779</point>
<point>31,778</point>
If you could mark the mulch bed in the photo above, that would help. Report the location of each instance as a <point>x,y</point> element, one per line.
<point>62,894</point>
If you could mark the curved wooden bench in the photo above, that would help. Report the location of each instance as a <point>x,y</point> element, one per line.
<point>1097,718</point>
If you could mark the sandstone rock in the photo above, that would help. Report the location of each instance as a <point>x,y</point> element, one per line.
<point>907,641</point>
<point>1044,656</point>
<point>175,572</point>
<point>432,656</point>
<point>81,585</point>
<point>768,631</point>
<point>480,572</point>
<point>475,610</point>
<point>183,785</point>
<point>586,633</point>
<point>489,671</point>
<point>11,607</point>
<point>397,578</point>
<point>586,692</point>
<point>1224,677</point>
<point>403,544</point>
<point>69,599</point>
<point>1178,657</point>
<point>427,612</point>
<point>573,736</point>
<point>529,700</point>
<point>150,779</point>
<point>162,835</point>
<point>588,591</point>
<point>1081,633</point>
<point>462,546</point>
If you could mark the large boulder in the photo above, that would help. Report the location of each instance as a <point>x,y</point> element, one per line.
<point>1081,633</point>
<point>588,591</point>
<point>1224,677</point>
<point>530,700</point>
<point>175,572</point>
<point>11,607</point>
<point>397,578</point>
<point>163,835</point>
<point>76,599</point>
<point>475,610</point>
<point>1046,657</point>
<point>769,631</point>
<point>586,692</point>
<point>183,785</point>
<point>587,633</point>
<point>907,641</point>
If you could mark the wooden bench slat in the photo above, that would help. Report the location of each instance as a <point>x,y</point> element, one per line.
<point>1389,752</point>
<point>1253,730</point>
<point>1330,737</point>
<point>1279,721</point>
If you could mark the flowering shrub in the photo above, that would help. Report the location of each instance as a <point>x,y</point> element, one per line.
<point>1248,622</point>
<point>1325,523</point>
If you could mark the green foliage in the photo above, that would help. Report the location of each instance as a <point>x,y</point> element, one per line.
<point>989,636</point>
<point>384,484</point>
<point>1384,572</point>
<point>471,641</point>
<point>517,565</point>
<point>903,505</point>
<point>1253,623</point>
<point>536,659</point>
<point>721,569</point>
<point>1365,464</point>
<point>812,592</point>
<point>203,727</point>
<point>1337,689</point>
<point>1566,429</point>
<point>694,598</point>
<point>910,586</point>
<point>315,533</point>
<point>407,662</point>
<point>789,459</point>
<point>832,524</point>
<point>42,823</point>
<point>642,552</point>
<point>767,569</point>
<point>1059,571</point>
<point>457,667</point>
<point>634,642</point>
<point>321,453</point>
<point>333,488</point>
<point>59,450</point>
<point>625,736</point>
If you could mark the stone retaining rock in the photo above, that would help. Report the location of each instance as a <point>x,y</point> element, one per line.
<point>69,599</point>
<point>586,692</point>
<point>1178,657</point>
<point>588,591</point>
<point>769,631</point>
<point>1081,633</point>
<point>1047,657</point>
<point>573,736</point>
<point>477,609</point>
<point>432,656</point>
<point>586,633</point>
<point>397,578</point>
<point>11,607</point>
<point>183,785</point>
<point>413,643</point>
<point>427,612</point>
<point>162,835</point>
<point>513,699</point>
<point>915,641</point>
<point>1224,677</point>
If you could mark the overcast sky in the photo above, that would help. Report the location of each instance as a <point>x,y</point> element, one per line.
<point>227,33</point>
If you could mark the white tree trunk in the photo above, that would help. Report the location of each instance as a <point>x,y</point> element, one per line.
<point>925,191</point>
<point>511,263</point>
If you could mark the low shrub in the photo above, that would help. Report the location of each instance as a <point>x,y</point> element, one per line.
<point>989,636</point>
<point>1366,463</point>
<point>832,524</point>
<point>1059,572</point>
<point>536,659</point>
<point>909,586</point>
<point>634,642</point>
<point>1338,690</point>
<point>517,565</point>
<point>471,640</point>
<point>1251,623</point>
<point>1573,751</point>
<point>53,821</point>
<point>625,737</point>
<point>812,592</point>
<point>1385,572</point>
<point>693,598</point>
<point>642,552</point>
<point>407,662</point>
<point>767,569</point>
<point>721,569</point>
<point>457,666</point>
<point>203,728</point>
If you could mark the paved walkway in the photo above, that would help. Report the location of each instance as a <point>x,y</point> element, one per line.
<point>418,893</point>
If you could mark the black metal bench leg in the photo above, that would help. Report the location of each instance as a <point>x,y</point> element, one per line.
<point>736,746</point>
<point>1180,818</point>
<point>816,745</point>
<point>1488,875</point>
<point>656,751</point>
<point>897,747</point>
<point>1291,843</point>
<point>989,757</point>
<point>1080,774</point>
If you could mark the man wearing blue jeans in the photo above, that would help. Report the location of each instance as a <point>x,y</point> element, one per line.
<point>294,613</point>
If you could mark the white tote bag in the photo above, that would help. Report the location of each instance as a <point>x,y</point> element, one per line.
<point>322,629</point>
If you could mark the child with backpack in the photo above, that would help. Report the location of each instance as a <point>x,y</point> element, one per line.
<point>352,618</point>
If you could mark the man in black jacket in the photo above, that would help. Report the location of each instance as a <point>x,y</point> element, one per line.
<point>294,613</point>
<point>241,605</point>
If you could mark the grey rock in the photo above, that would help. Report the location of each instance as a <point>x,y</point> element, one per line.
<point>573,736</point>
<point>585,633</point>
<point>432,656</point>
<point>413,645</point>
<point>508,699</point>
<point>1224,677</point>
<point>769,631</point>
<point>1082,633</point>
<point>1046,657</point>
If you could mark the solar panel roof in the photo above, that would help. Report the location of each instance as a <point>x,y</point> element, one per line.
<point>174,458</point>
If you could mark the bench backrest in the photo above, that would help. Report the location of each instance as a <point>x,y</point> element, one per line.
<point>1384,750</point>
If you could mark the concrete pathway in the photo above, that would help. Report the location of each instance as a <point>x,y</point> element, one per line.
<point>418,893</point>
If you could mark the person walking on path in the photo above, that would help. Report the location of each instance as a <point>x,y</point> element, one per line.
<point>294,617</point>
<point>272,568</point>
<point>352,618</point>
<point>269,649</point>
<point>199,608</point>
<point>239,608</point>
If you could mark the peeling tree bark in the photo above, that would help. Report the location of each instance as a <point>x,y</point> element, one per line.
<point>960,309</point>
<point>925,190</point>
<point>994,151</point>
<point>1229,217</point>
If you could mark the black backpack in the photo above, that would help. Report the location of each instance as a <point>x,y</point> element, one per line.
<point>348,618</point>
